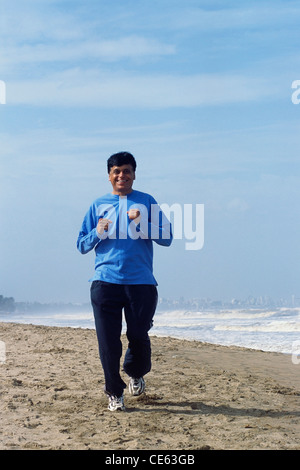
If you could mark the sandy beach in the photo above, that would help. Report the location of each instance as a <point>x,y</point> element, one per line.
<point>198,396</point>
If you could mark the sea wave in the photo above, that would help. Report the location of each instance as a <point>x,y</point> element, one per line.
<point>278,326</point>
<point>264,329</point>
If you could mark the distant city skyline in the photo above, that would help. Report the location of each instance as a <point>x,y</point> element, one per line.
<point>9,304</point>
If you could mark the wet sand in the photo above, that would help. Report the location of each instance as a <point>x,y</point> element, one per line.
<point>198,396</point>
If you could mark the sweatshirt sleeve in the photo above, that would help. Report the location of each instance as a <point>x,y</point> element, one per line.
<point>88,236</point>
<point>159,228</point>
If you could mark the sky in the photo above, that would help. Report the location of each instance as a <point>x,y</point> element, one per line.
<point>199,91</point>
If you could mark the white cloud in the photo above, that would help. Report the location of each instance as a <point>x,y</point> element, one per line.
<point>130,47</point>
<point>35,20</point>
<point>255,16</point>
<point>91,88</point>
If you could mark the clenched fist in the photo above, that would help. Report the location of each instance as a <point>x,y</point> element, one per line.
<point>134,214</point>
<point>102,225</point>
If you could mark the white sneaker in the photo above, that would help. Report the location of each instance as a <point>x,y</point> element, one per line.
<point>136,386</point>
<point>116,403</point>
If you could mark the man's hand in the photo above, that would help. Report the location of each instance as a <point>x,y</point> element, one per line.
<point>134,214</point>
<point>102,225</point>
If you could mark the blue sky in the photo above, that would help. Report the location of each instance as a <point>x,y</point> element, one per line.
<point>200,93</point>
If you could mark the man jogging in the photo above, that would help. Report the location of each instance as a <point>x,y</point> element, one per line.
<point>121,227</point>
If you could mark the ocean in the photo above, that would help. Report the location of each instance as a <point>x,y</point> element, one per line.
<point>266,329</point>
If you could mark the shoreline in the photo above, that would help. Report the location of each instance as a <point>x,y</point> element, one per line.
<point>155,334</point>
<point>198,395</point>
<point>269,332</point>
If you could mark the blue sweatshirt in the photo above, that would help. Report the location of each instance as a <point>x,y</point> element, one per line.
<point>124,253</point>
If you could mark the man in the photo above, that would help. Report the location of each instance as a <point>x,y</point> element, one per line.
<point>120,226</point>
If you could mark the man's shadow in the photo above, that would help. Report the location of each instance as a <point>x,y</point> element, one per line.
<point>200,408</point>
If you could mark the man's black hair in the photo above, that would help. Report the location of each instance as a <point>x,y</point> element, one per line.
<point>119,159</point>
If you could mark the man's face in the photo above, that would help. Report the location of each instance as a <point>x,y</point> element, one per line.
<point>121,178</point>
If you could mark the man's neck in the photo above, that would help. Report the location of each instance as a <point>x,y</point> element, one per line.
<point>121,193</point>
